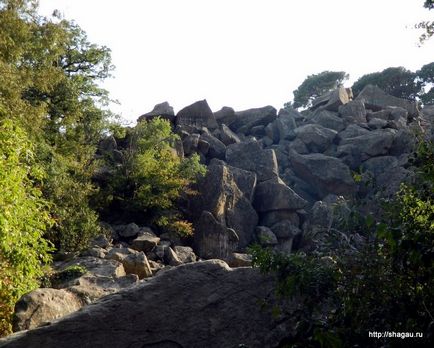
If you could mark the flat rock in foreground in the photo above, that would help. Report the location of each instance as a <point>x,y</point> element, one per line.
<point>204,304</point>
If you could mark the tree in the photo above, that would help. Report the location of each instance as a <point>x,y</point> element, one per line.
<point>49,84</point>
<point>24,217</point>
<point>152,177</point>
<point>426,77</point>
<point>397,81</point>
<point>427,26</point>
<point>316,85</point>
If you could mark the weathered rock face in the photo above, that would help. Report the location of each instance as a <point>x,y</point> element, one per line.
<point>325,174</point>
<point>164,110</point>
<point>275,195</point>
<point>376,99</point>
<point>197,115</point>
<point>246,120</point>
<point>250,156</point>
<point>44,305</point>
<point>215,307</point>
<point>316,137</point>
<point>231,207</point>
<point>333,100</point>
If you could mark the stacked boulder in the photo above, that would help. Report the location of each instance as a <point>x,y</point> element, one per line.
<point>266,170</point>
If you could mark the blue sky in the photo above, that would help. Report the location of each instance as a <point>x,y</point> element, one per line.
<point>242,53</point>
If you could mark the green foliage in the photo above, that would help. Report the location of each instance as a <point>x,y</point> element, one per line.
<point>379,277</point>
<point>316,85</point>
<point>23,220</point>
<point>152,176</point>
<point>49,85</point>
<point>426,77</point>
<point>427,26</point>
<point>398,82</point>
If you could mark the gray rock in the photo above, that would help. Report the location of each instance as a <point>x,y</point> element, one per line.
<point>375,143</point>
<point>298,146</point>
<point>270,218</point>
<point>377,123</point>
<point>101,241</point>
<point>128,231</point>
<point>333,100</point>
<point>228,137</point>
<point>44,305</point>
<point>404,142</point>
<point>265,236</point>
<point>225,115</point>
<point>379,165</point>
<point>190,144</point>
<point>209,295</point>
<point>216,148</point>
<point>197,115</point>
<point>328,119</point>
<point>185,254</point>
<point>285,229</point>
<point>353,112</point>
<point>246,120</point>
<point>171,258</point>
<point>275,195</point>
<point>240,260</point>
<point>163,109</point>
<point>220,195</point>
<point>250,156</point>
<point>325,174</point>
<point>385,114</point>
<point>145,242</point>
<point>376,99</point>
<point>213,239</point>
<point>134,262</point>
<point>315,137</point>
<point>352,131</point>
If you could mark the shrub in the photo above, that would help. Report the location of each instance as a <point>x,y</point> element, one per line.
<point>23,220</point>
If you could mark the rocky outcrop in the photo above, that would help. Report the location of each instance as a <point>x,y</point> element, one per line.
<point>197,115</point>
<point>214,306</point>
<point>163,110</point>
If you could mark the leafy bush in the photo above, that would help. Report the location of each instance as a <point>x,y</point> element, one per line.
<point>152,177</point>
<point>23,221</point>
<point>380,281</point>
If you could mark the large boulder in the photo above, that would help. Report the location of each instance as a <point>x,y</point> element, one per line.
<point>316,137</point>
<point>353,112</point>
<point>225,115</point>
<point>325,174</point>
<point>334,99</point>
<point>371,144</point>
<point>216,148</point>
<point>275,195</point>
<point>197,115</point>
<point>44,305</point>
<point>220,195</point>
<point>247,119</point>
<point>134,262</point>
<point>203,304</point>
<point>376,99</point>
<point>328,119</point>
<point>212,239</point>
<point>163,110</point>
<point>250,156</point>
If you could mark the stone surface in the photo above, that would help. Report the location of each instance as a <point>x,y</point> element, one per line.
<point>220,195</point>
<point>134,262</point>
<point>197,115</point>
<point>228,137</point>
<point>145,242</point>
<point>240,260</point>
<point>325,174</point>
<point>163,109</point>
<point>247,119</point>
<point>225,115</point>
<point>376,99</point>
<point>316,137</point>
<point>333,100</point>
<point>185,254</point>
<point>216,148</point>
<point>275,195</point>
<point>285,229</point>
<point>128,231</point>
<point>328,119</point>
<point>215,307</point>
<point>265,236</point>
<point>213,239</point>
<point>44,305</point>
<point>250,156</point>
<point>353,112</point>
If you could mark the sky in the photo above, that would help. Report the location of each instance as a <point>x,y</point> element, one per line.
<point>242,53</point>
